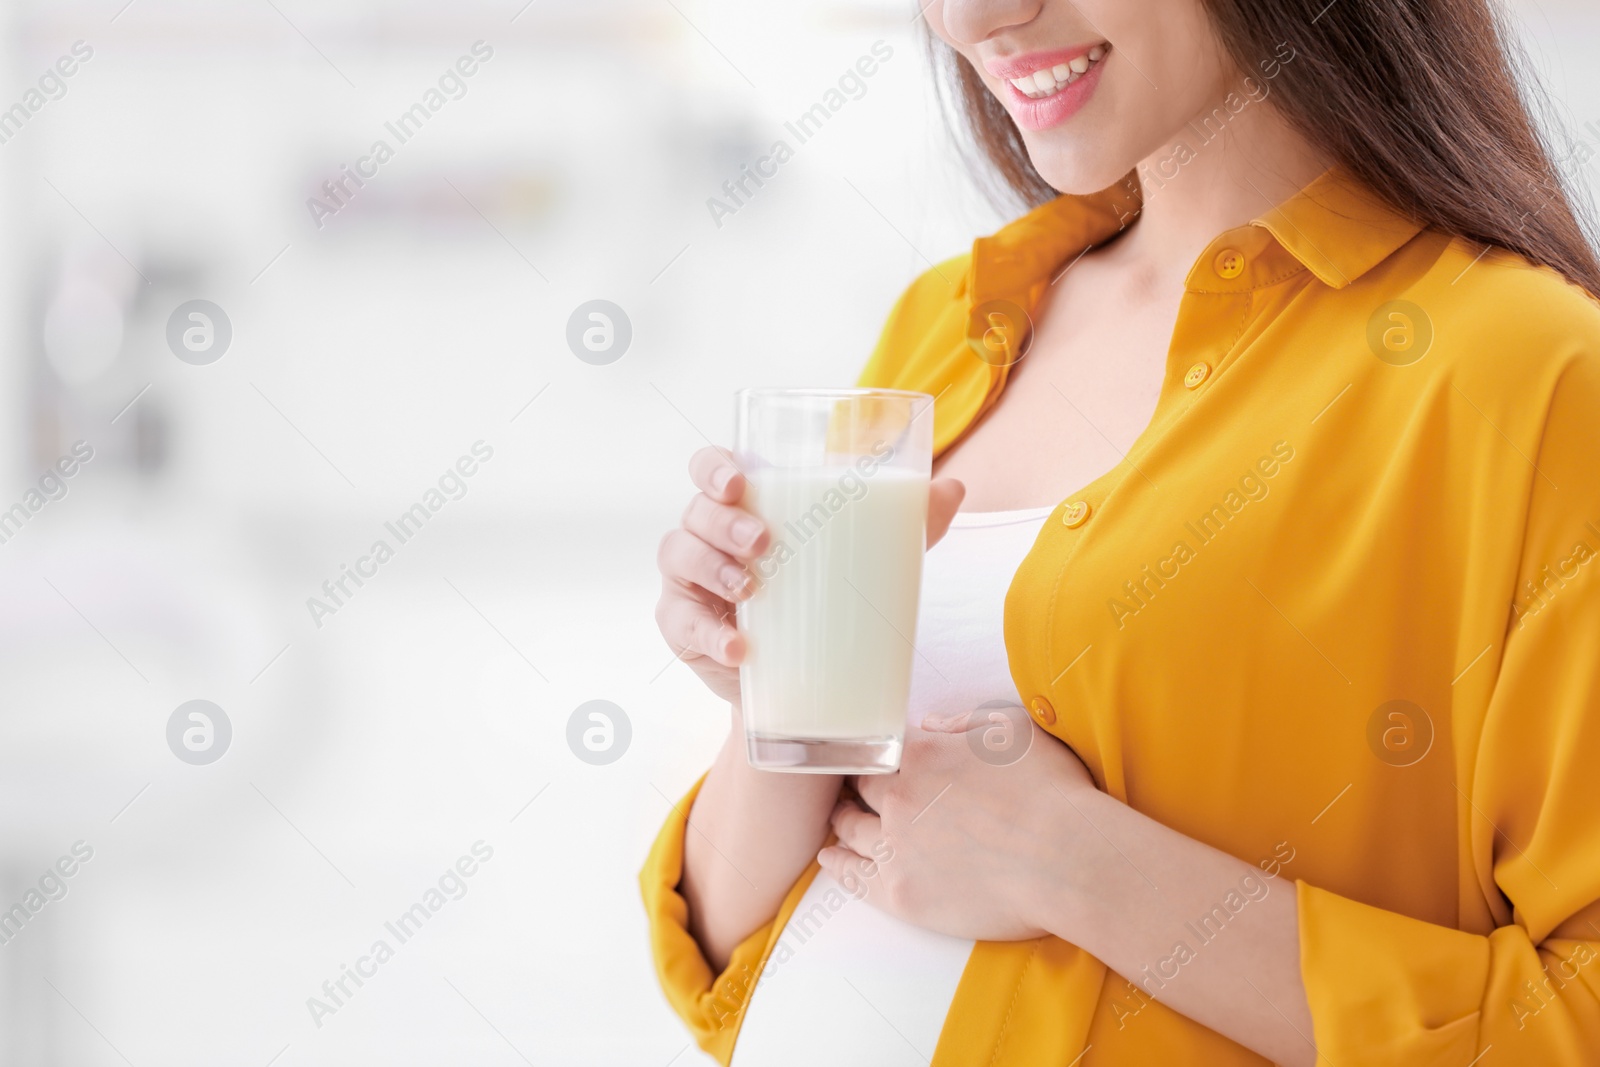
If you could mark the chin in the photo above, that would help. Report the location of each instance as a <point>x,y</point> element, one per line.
<point>1078,168</point>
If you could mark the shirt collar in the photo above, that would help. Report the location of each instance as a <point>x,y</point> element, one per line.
<point>1337,228</point>
<point>1334,227</point>
<point>1032,249</point>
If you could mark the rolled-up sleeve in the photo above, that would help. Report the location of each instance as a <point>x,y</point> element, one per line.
<point>1388,989</point>
<point>711,1004</point>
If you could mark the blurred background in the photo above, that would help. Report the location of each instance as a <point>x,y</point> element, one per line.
<point>360,348</point>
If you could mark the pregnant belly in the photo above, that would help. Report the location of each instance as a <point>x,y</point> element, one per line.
<point>848,984</point>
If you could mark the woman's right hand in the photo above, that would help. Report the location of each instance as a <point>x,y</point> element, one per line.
<point>704,566</point>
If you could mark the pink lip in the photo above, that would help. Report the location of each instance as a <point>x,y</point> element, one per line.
<point>1053,110</point>
<point>1006,68</point>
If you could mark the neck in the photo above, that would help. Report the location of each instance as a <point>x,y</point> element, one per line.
<point>1212,177</point>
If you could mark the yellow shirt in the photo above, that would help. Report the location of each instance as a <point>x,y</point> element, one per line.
<point>1337,613</point>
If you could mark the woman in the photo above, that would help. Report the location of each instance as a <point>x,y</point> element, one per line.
<point>1309,415</point>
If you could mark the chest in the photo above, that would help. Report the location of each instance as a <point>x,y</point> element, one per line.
<point>1083,391</point>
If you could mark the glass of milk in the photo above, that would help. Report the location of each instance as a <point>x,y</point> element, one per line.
<point>840,477</point>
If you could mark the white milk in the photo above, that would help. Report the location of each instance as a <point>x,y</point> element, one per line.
<point>831,625</point>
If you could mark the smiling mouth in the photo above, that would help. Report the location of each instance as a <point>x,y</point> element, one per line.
<point>1048,81</point>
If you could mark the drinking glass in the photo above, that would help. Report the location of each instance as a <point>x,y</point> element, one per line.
<point>840,478</point>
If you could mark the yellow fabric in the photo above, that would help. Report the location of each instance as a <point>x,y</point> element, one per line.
<point>1327,524</point>
<point>711,1004</point>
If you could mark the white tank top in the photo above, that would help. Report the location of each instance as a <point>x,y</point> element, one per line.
<point>857,986</point>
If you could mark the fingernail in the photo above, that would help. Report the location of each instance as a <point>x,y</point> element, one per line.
<point>720,480</point>
<point>745,531</point>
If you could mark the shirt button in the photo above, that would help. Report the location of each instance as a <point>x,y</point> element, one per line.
<point>1043,711</point>
<point>1197,374</point>
<point>1229,263</point>
<point>1075,515</point>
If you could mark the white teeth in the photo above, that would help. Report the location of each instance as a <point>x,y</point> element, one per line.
<point>1048,82</point>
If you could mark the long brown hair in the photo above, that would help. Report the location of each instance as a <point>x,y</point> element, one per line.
<point>1420,100</point>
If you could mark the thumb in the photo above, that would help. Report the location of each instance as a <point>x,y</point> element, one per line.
<point>944,497</point>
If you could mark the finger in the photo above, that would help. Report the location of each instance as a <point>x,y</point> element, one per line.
<point>692,627</point>
<point>944,498</point>
<point>836,861</point>
<point>713,472</point>
<point>874,791</point>
<point>685,557</point>
<point>854,872</point>
<point>723,526</point>
<point>856,829</point>
<point>955,722</point>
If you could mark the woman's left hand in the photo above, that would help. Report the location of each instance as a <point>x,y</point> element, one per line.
<point>967,838</point>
